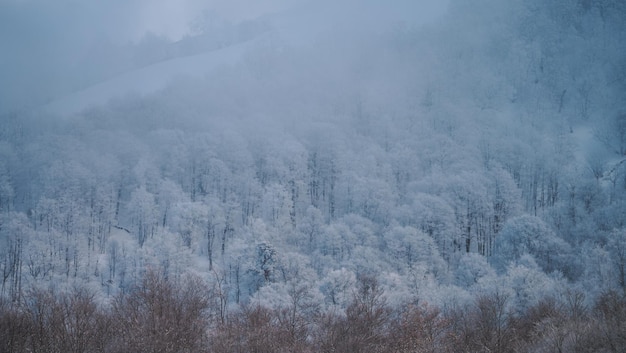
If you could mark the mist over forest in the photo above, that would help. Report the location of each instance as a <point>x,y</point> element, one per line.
<point>332,176</point>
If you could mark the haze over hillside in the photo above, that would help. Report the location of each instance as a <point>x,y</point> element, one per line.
<point>314,164</point>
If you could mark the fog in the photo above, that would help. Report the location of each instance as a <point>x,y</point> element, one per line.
<point>52,49</point>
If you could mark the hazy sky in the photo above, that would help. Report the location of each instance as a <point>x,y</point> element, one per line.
<point>43,43</point>
<point>122,19</point>
<point>171,18</point>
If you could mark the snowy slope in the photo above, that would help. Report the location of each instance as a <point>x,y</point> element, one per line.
<point>148,79</point>
<point>299,25</point>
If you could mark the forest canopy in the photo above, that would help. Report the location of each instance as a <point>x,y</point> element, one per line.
<point>470,164</point>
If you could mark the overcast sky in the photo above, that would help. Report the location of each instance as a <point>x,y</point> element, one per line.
<point>122,19</point>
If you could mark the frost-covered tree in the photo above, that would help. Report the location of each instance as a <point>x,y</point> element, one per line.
<point>528,235</point>
<point>15,234</point>
<point>409,248</point>
<point>142,209</point>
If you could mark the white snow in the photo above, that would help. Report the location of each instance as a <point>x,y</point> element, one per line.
<point>148,79</point>
<point>296,26</point>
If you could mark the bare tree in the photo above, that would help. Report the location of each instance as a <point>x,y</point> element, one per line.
<point>159,316</point>
<point>364,328</point>
<point>420,329</point>
<point>610,320</point>
<point>15,329</point>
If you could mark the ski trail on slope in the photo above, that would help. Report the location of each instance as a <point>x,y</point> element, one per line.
<point>148,79</point>
<point>299,25</point>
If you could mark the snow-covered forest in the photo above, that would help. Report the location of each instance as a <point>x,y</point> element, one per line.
<point>335,177</point>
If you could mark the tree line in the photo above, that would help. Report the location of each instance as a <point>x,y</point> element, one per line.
<point>159,315</point>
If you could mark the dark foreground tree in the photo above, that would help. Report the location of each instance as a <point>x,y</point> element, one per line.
<point>159,316</point>
<point>54,322</point>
